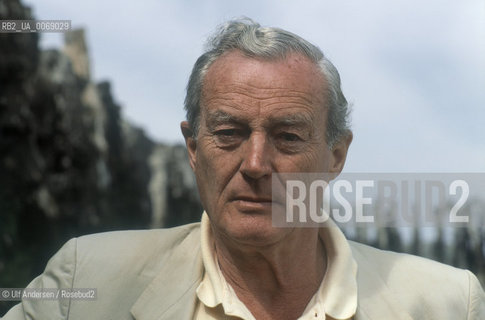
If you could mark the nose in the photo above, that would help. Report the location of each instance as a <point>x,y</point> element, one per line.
<point>256,162</point>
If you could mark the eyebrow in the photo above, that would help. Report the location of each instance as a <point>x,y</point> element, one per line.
<point>298,119</point>
<point>219,117</point>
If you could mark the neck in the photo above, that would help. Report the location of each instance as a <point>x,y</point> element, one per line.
<point>275,281</point>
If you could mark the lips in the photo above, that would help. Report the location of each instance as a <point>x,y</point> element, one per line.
<point>253,199</point>
<point>254,204</point>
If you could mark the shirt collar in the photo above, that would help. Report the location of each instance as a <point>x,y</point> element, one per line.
<point>214,290</point>
<point>211,288</point>
<point>337,294</point>
<point>338,291</point>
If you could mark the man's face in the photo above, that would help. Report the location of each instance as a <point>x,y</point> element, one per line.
<point>257,118</point>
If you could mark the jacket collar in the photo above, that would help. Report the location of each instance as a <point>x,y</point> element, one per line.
<point>171,294</point>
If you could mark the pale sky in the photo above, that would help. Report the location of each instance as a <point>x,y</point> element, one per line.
<point>414,70</point>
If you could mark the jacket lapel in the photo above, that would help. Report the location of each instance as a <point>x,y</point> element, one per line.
<point>380,306</point>
<point>171,295</point>
<point>375,299</point>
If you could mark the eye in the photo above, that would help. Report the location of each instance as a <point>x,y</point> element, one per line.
<point>289,142</point>
<point>289,137</point>
<point>226,132</point>
<point>228,138</point>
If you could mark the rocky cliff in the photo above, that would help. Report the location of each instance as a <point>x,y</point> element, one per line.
<point>70,164</point>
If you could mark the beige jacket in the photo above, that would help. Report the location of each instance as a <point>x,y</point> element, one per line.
<point>153,274</point>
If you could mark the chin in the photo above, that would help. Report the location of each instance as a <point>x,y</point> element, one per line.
<point>254,230</point>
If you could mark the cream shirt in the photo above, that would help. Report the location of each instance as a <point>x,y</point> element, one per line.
<point>336,297</point>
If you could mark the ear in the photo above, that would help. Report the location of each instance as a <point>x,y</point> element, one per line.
<point>190,142</point>
<point>339,154</point>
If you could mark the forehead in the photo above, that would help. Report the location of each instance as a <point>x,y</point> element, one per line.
<point>236,78</point>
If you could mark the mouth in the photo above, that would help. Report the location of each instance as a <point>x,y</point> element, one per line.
<point>252,204</point>
<point>253,199</point>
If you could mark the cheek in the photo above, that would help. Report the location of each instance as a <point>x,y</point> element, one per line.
<point>315,159</point>
<point>206,186</point>
<point>204,169</point>
<point>213,171</point>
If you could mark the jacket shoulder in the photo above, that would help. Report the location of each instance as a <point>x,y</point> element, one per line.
<point>402,266</point>
<point>119,265</point>
<point>142,251</point>
<point>425,288</point>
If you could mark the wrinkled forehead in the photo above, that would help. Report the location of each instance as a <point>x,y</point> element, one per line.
<point>280,78</point>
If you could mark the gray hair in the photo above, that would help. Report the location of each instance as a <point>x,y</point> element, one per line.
<point>253,40</point>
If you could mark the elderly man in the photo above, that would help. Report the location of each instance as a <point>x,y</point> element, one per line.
<point>259,101</point>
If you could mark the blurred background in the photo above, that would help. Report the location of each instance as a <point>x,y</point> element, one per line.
<point>89,119</point>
